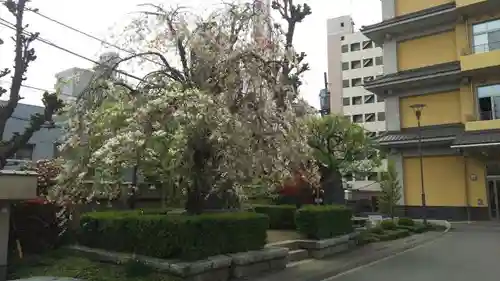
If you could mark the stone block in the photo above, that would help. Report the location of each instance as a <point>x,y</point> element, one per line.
<point>265,254</point>
<point>242,271</point>
<point>215,268</point>
<point>248,264</point>
<point>214,275</point>
<point>278,264</point>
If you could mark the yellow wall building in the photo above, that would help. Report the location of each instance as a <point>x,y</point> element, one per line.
<point>442,58</point>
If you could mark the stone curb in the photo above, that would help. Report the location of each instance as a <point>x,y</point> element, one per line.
<point>381,254</point>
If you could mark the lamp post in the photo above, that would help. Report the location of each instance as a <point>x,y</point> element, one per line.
<point>417,109</point>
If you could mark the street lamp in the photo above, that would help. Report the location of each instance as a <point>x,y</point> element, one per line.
<point>417,109</point>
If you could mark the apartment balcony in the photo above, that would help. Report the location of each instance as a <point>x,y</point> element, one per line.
<point>486,121</point>
<point>481,59</point>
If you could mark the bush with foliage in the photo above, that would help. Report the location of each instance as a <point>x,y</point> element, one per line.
<point>35,223</point>
<point>174,236</point>
<point>323,221</point>
<point>406,221</point>
<point>393,234</point>
<point>388,225</point>
<point>47,170</point>
<point>35,226</point>
<point>280,216</point>
<point>391,191</point>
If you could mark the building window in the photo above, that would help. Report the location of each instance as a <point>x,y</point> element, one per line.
<point>370,117</point>
<point>24,153</point>
<point>345,83</point>
<point>379,61</point>
<point>489,102</point>
<point>342,38</point>
<point>345,48</point>
<point>355,47</point>
<point>357,100</point>
<point>367,79</point>
<point>341,24</point>
<point>367,44</point>
<point>355,64</point>
<point>346,101</point>
<point>371,134</point>
<point>381,116</point>
<point>357,118</point>
<point>369,98</point>
<point>367,62</point>
<point>345,66</point>
<point>486,36</point>
<point>356,82</point>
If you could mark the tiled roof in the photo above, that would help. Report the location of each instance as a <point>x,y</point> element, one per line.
<point>478,137</point>
<point>428,132</point>
<point>416,72</point>
<point>409,16</point>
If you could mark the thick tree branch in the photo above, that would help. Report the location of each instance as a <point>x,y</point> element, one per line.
<point>37,121</point>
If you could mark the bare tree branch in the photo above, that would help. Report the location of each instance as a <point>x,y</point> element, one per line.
<point>24,55</point>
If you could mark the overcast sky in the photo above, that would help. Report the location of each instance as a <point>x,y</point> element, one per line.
<point>98,16</point>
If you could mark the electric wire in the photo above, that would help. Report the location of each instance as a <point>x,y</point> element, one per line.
<point>88,35</point>
<point>47,42</point>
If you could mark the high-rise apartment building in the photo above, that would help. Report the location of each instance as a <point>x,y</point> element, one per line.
<point>442,95</point>
<point>354,59</point>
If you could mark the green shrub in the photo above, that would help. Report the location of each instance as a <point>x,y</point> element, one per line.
<point>388,224</point>
<point>178,236</point>
<point>420,228</point>
<point>393,234</point>
<point>366,237</point>
<point>280,216</point>
<point>406,221</point>
<point>321,222</point>
<point>377,230</point>
<point>408,227</point>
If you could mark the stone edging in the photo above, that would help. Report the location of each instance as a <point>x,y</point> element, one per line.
<point>221,267</point>
<point>319,249</point>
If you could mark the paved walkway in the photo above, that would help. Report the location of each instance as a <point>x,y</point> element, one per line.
<point>470,253</point>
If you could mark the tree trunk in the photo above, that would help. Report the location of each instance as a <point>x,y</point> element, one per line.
<point>331,183</point>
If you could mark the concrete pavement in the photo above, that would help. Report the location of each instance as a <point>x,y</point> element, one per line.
<point>469,253</point>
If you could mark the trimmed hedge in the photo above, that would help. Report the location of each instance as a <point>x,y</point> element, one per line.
<point>325,221</point>
<point>393,234</point>
<point>178,236</point>
<point>388,224</point>
<point>280,216</point>
<point>406,221</point>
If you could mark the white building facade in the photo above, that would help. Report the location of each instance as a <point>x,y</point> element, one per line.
<point>352,60</point>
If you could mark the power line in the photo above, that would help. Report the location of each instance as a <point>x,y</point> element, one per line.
<point>12,26</point>
<point>88,35</point>
<point>36,88</point>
